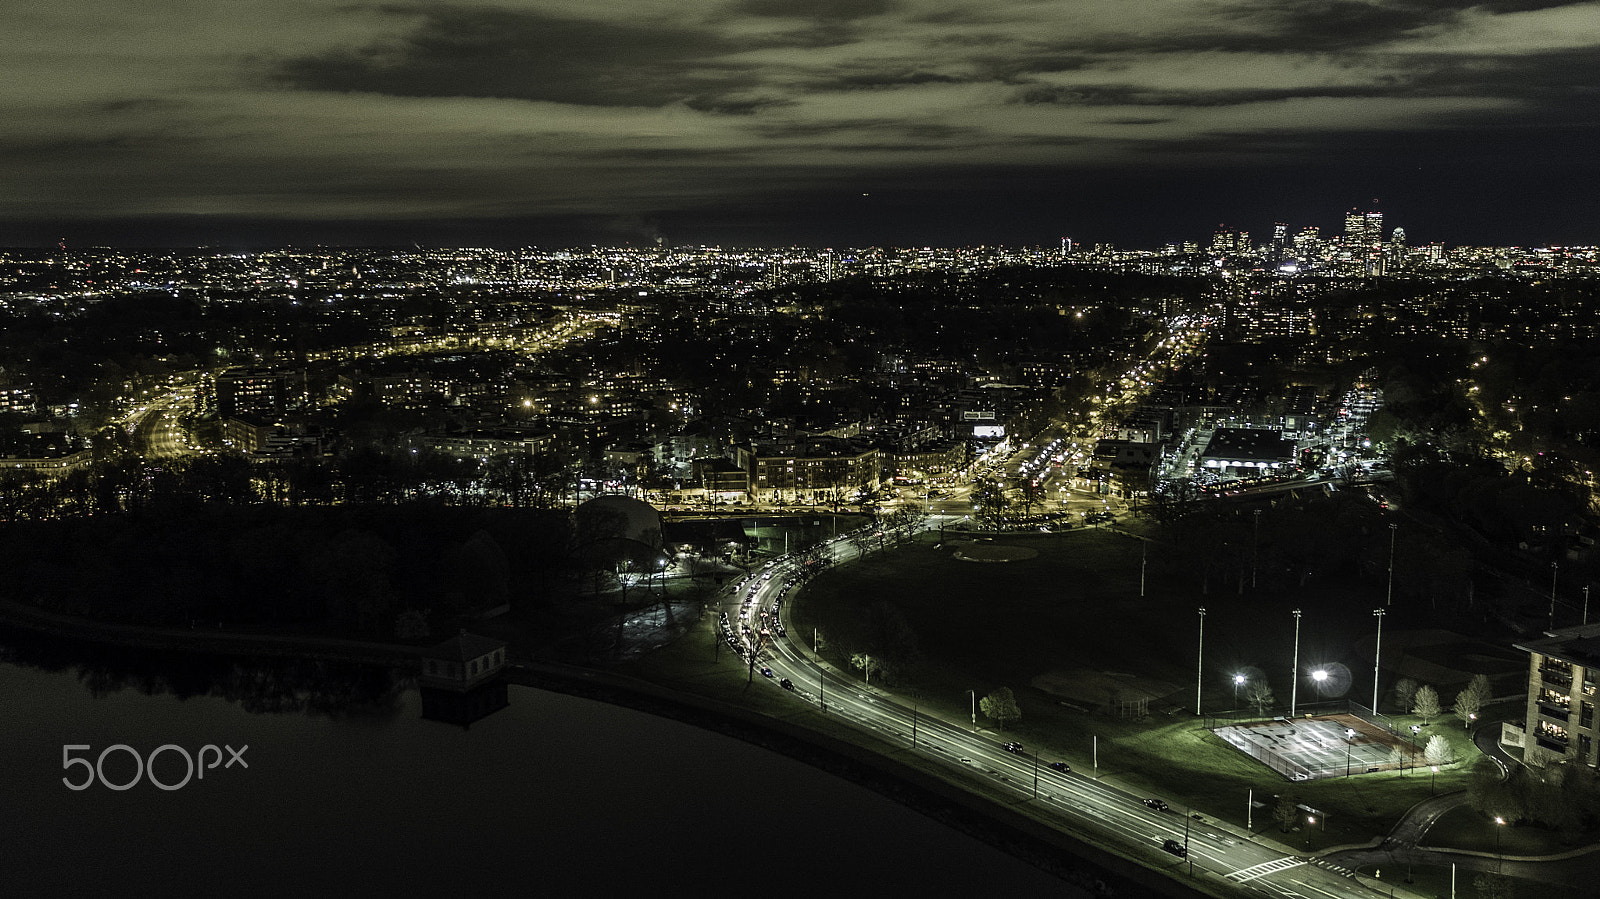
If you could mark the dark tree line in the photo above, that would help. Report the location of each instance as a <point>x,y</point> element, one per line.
<point>348,568</point>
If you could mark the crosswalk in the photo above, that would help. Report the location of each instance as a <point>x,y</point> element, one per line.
<point>1265,868</point>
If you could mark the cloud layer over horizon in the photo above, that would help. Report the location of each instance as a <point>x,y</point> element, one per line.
<point>784,113</point>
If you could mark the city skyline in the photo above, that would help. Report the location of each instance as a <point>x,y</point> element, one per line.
<point>779,122</point>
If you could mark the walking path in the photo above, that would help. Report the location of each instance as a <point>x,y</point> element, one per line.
<point>1401,845</point>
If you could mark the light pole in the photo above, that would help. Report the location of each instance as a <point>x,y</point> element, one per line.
<point>1255,547</point>
<point>1553,572</point>
<point>1199,661</point>
<point>974,695</point>
<point>1377,658</point>
<point>1144,555</point>
<point>1238,681</point>
<point>1349,741</point>
<point>1294,671</point>
<point>1389,599</point>
<point>1433,781</point>
<point>1500,861</point>
<point>1320,677</point>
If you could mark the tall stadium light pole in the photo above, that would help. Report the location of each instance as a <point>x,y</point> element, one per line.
<point>1389,599</point>
<point>1255,548</point>
<point>1144,555</point>
<point>1554,569</point>
<point>1199,662</point>
<point>1377,658</point>
<point>1294,672</point>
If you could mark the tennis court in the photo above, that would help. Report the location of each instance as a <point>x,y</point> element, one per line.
<point>1322,746</point>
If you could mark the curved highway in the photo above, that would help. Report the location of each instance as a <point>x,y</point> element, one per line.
<point>754,623</point>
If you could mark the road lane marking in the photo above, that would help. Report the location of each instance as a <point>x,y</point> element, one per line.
<point>1265,868</point>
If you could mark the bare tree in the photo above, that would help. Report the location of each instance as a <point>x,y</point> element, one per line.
<point>1479,687</point>
<point>1258,694</point>
<point>1467,707</point>
<point>1405,692</point>
<point>1427,704</point>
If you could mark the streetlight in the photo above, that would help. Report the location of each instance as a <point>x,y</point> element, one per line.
<point>1321,677</point>
<point>1377,658</point>
<point>974,695</point>
<point>1238,681</point>
<point>1198,662</point>
<point>1349,741</point>
<point>1500,861</point>
<point>1433,781</point>
<point>1294,671</point>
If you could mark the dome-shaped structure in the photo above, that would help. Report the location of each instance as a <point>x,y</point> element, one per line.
<point>616,516</point>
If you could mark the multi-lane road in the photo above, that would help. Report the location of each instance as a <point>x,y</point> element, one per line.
<point>1223,856</point>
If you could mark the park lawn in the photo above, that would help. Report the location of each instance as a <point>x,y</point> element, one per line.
<point>1467,828</point>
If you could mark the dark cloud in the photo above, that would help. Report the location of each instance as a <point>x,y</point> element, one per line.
<point>825,10</point>
<point>477,52</point>
<point>878,79</point>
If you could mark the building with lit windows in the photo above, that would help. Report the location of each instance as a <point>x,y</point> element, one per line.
<point>252,392</point>
<point>812,471</point>
<point>1562,669</point>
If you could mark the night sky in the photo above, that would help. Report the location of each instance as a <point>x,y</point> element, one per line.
<point>816,122</point>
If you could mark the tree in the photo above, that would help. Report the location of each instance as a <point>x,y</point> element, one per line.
<point>867,663</point>
<point>1438,751</point>
<point>1479,687</point>
<point>1405,692</point>
<point>1001,705</point>
<point>1427,704</point>
<point>1467,706</point>
<point>1286,812</point>
<point>1258,693</point>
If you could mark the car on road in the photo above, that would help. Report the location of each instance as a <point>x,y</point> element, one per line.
<point>1013,747</point>
<point>1061,766</point>
<point>786,683</point>
<point>1156,805</point>
<point>766,672</point>
<point>1176,848</point>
